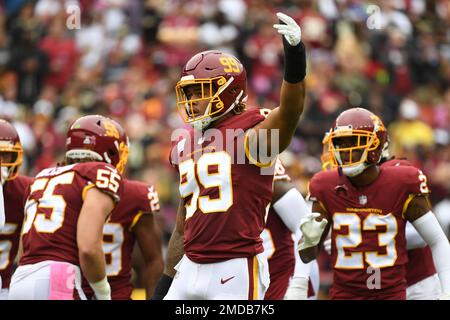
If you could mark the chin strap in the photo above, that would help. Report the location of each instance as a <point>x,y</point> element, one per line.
<point>353,171</point>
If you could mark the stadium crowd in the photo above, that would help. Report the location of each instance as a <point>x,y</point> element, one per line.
<point>124,57</point>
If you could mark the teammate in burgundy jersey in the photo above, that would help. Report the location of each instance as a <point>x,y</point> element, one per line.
<point>131,220</point>
<point>14,186</point>
<point>283,221</point>
<point>224,197</point>
<point>421,278</point>
<point>65,212</point>
<point>367,206</point>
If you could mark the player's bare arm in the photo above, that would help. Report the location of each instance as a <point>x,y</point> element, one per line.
<point>96,208</point>
<point>175,249</point>
<point>148,237</point>
<point>423,219</point>
<point>313,231</point>
<point>280,188</point>
<point>175,252</point>
<point>285,118</point>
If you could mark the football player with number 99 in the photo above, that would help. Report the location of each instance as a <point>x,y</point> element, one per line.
<point>65,212</point>
<point>224,201</point>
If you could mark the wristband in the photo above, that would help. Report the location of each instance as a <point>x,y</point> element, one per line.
<point>294,62</point>
<point>162,287</point>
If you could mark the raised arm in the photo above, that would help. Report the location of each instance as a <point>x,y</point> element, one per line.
<point>285,118</point>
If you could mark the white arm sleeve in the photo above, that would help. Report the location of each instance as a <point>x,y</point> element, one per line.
<point>291,207</point>
<point>430,230</point>
<point>413,238</point>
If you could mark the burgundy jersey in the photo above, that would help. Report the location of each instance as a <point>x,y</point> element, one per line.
<point>420,261</point>
<point>13,193</point>
<point>137,199</point>
<point>368,229</point>
<point>225,195</point>
<point>420,265</point>
<point>279,245</point>
<point>53,205</point>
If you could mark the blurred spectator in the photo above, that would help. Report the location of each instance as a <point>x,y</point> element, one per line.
<point>217,33</point>
<point>31,65</point>
<point>62,55</point>
<point>409,132</point>
<point>125,60</point>
<point>150,21</point>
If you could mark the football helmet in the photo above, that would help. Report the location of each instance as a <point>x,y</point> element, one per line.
<point>326,156</point>
<point>99,138</point>
<point>366,138</point>
<point>10,142</point>
<point>222,83</point>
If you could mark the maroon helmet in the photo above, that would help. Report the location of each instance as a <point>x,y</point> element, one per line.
<point>10,143</point>
<point>222,80</point>
<point>370,136</point>
<point>99,138</point>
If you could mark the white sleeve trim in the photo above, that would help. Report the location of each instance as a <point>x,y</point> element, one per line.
<point>291,207</point>
<point>430,230</point>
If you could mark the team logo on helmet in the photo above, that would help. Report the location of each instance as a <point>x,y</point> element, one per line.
<point>98,138</point>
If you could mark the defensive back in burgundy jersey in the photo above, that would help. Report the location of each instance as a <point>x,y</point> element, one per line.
<point>137,199</point>
<point>226,197</point>
<point>420,260</point>
<point>279,246</point>
<point>53,205</point>
<point>368,227</point>
<point>13,192</point>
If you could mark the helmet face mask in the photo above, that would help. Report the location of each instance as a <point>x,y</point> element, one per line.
<point>356,141</point>
<point>219,83</point>
<point>208,94</point>
<point>11,151</point>
<point>350,148</point>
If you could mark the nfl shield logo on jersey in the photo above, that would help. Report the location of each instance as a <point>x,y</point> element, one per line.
<point>362,200</point>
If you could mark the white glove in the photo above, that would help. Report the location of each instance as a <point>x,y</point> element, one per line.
<point>297,289</point>
<point>291,30</point>
<point>102,289</point>
<point>327,245</point>
<point>312,230</point>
